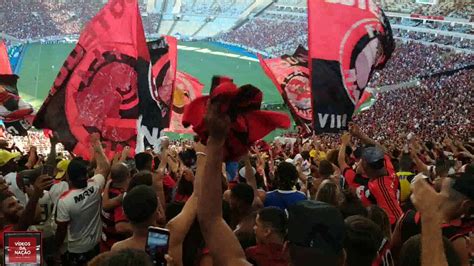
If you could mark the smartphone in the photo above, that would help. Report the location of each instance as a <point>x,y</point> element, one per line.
<point>48,170</point>
<point>157,244</point>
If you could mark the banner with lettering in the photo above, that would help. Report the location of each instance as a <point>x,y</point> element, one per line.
<point>290,74</point>
<point>22,248</point>
<point>347,41</point>
<point>104,83</point>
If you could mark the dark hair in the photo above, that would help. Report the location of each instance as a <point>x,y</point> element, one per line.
<point>352,205</point>
<point>119,172</point>
<point>305,256</point>
<point>328,192</point>
<point>325,169</point>
<point>275,218</point>
<point>140,204</point>
<point>442,167</point>
<point>143,161</point>
<point>380,218</point>
<point>127,257</point>
<point>410,254</point>
<point>188,157</point>
<point>377,165</point>
<point>185,187</point>
<point>286,174</point>
<point>362,242</point>
<point>77,172</point>
<point>305,155</point>
<point>244,193</point>
<point>406,163</point>
<point>141,178</point>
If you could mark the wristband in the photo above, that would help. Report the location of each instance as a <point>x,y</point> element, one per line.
<point>201,153</point>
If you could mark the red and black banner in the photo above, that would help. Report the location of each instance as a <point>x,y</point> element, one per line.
<point>163,59</point>
<point>290,74</point>
<point>16,114</point>
<point>101,86</point>
<point>347,41</point>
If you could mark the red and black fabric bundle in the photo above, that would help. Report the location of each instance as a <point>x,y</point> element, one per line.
<point>248,123</point>
<point>347,41</point>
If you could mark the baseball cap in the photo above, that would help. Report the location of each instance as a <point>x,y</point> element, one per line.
<point>6,156</point>
<point>315,224</point>
<point>140,203</point>
<point>464,184</point>
<point>372,154</point>
<point>62,168</point>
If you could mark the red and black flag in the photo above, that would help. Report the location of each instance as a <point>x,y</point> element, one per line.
<point>163,58</point>
<point>16,114</point>
<point>290,74</point>
<point>347,41</point>
<point>103,84</point>
<point>187,89</point>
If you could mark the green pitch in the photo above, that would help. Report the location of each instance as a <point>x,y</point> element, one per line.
<point>41,63</point>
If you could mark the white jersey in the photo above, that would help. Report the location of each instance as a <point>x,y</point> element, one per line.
<point>47,205</point>
<point>81,208</point>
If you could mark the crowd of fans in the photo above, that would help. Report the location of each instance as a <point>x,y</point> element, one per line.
<point>434,107</point>
<point>455,9</point>
<point>324,200</point>
<point>412,60</point>
<point>38,19</point>
<point>262,34</point>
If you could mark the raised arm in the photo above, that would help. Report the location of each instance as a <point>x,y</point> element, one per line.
<point>357,133</point>
<point>28,216</point>
<point>420,165</point>
<point>428,203</point>
<point>224,246</point>
<point>180,225</point>
<point>341,158</point>
<point>103,166</point>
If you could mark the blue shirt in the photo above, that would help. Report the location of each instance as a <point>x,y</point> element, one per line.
<point>283,198</point>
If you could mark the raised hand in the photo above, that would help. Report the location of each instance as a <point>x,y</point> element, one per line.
<point>218,124</point>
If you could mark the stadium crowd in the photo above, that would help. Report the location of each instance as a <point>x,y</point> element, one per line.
<point>39,19</point>
<point>348,198</point>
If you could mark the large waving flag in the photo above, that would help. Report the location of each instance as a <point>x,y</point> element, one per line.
<point>16,114</point>
<point>290,74</point>
<point>104,85</point>
<point>163,58</point>
<point>347,41</point>
<point>187,89</point>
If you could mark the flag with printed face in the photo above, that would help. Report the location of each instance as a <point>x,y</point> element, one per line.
<point>347,41</point>
<point>187,89</point>
<point>103,84</point>
<point>290,74</point>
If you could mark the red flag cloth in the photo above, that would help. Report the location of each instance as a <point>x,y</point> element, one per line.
<point>97,89</point>
<point>5,67</point>
<point>187,89</point>
<point>14,112</point>
<point>290,74</point>
<point>248,123</point>
<point>347,41</point>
